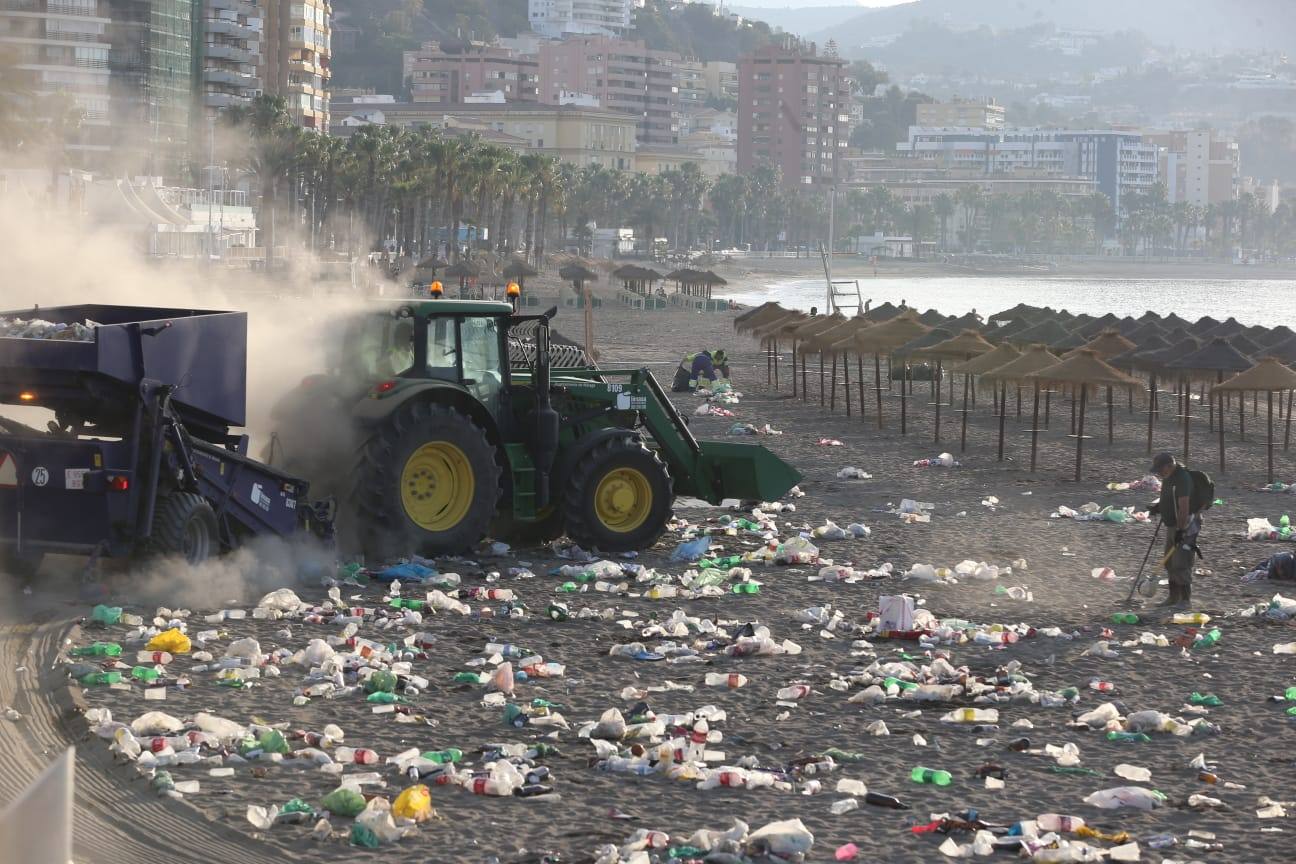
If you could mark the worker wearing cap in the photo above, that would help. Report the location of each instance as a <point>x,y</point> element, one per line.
<point>1182,526</point>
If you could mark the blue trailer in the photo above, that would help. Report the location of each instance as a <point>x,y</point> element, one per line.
<point>139,459</point>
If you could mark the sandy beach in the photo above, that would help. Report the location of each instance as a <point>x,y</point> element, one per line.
<point>599,807</point>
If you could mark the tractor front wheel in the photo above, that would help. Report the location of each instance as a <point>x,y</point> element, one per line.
<point>618,498</point>
<point>429,483</point>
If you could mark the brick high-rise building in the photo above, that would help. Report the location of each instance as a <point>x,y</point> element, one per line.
<point>297,49</point>
<point>792,112</point>
<point>623,76</point>
<point>449,72</point>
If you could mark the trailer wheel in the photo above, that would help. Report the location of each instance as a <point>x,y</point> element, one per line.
<point>24,565</point>
<point>618,498</point>
<point>184,525</point>
<point>429,482</point>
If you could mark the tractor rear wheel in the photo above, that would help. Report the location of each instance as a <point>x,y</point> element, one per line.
<point>184,525</point>
<point>429,482</point>
<point>618,498</point>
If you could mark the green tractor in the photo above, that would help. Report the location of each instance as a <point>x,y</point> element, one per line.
<point>460,418</point>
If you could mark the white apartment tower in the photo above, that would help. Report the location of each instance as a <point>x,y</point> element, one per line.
<point>556,18</point>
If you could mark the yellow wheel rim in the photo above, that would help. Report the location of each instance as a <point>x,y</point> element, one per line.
<point>437,486</point>
<point>623,500</point>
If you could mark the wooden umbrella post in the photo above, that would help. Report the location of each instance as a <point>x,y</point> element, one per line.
<point>1003,413</point>
<point>804,395</point>
<point>1287,433</point>
<point>963,423</point>
<point>769,362</point>
<point>589,320</point>
<point>1048,400</point>
<point>1084,389</point>
<point>776,359</point>
<point>1152,409</point>
<point>859,378</point>
<point>1242,417</point>
<point>794,353</point>
<point>832,382</point>
<point>1219,394</point>
<point>1109,415</point>
<point>877,385</point>
<point>906,390</point>
<point>1269,400</point>
<point>846,381</point>
<point>821,379</point>
<point>1187,415</point>
<point>938,398</point>
<point>1035,427</point>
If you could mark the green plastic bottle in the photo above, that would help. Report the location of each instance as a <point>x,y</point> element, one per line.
<point>444,757</point>
<point>1128,737</point>
<point>147,674</point>
<point>844,755</point>
<point>381,698</point>
<point>106,614</point>
<point>1290,693</point>
<point>746,588</point>
<point>97,678</point>
<point>568,588</point>
<point>466,678</point>
<point>297,805</point>
<point>930,776</point>
<point>903,685</point>
<point>381,681</point>
<point>402,603</point>
<point>1125,618</point>
<point>1069,693</point>
<point>721,563</point>
<point>1291,712</point>
<point>1207,640</point>
<point>1210,700</point>
<point>685,853</point>
<point>98,649</point>
<point>748,525</point>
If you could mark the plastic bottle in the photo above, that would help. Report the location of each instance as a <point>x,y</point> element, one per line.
<point>100,678</point>
<point>1055,822</point>
<point>1209,699</point>
<point>1285,648</point>
<point>845,805</point>
<point>733,680</point>
<point>930,776</point>
<point>444,757</point>
<point>1102,686</point>
<point>971,715</point>
<point>746,588</point>
<point>1125,618</point>
<point>1290,693</point>
<point>796,691</point>
<point>877,799</point>
<point>106,614</point>
<point>1125,796</point>
<point>402,603</point>
<point>1197,618</point>
<point>159,658</point>
<point>146,674</point>
<point>557,612</point>
<point>1208,639</point>
<point>98,649</point>
<point>721,563</point>
<point>358,756</point>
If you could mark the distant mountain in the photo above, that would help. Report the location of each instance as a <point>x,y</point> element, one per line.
<point>799,20</point>
<point>1202,25</point>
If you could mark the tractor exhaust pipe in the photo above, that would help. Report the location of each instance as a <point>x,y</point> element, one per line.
<point>545,449</point>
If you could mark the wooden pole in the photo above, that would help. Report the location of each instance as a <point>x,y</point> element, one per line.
<point>776,359</point>
<point>877,383</point>
<point>1035,427</point>
<point>1219,377</point>
<point>963,424</point>
<point>938,399</point>
<point>583,289</point>
<point>1242,417</point>
<point>859,377</point>
<point>832,382</point>
<point>1152,408</point>
<point>821,379</point>
<point>794,353</point>
<point>1287,434</point>
<point>1269,400</point>
<point>1109,415</point>
<point>1084,389</point>
<point>1048,399</point>
<point>769,361</point>
<point>846,384</point>
<point>906,390</point>
<point>1018,399</point>
<point>1187,416</point>
<point>1003,413</point>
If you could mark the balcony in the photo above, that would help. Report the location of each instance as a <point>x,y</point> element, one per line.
<point>224,100</point>
<point>230,28</point>
<point>228,52</point>
<point>231,78</point>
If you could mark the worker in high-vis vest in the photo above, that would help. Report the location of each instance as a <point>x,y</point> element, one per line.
<point>694,368</point>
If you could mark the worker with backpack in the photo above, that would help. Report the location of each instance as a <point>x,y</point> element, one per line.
<point>1185,494</point>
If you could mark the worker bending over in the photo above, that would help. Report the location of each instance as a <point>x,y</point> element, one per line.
<point>708,365</point>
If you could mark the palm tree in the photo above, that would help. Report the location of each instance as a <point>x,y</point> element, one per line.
<point>972,200</point>
<point>943,206</point>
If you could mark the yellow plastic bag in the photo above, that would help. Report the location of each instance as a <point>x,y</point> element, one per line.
<point>414,803</point>
<point>171,641</point>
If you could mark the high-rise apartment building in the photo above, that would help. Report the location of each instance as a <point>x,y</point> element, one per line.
<point>792,112</point>
<point>1197,167</point>
<point>558,18</point>
<point>627,77</point>
<point>962,113</point>
<point>151,83</point>
<point>690,85</point>
<point>63,47</point>
<point>229,36</point>
<point>449,72</point>
<point>297,58</point>
<point>721,80</point>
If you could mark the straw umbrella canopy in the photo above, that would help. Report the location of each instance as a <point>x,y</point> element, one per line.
<point>967,321</point>
<point>1049,331</point>
<point>1021,310</point>
<point>1218,356</point>
<point>887,337</point>
<point>983,363</point>
<point>1173,320</point>
<point>765,311</point>
<point>1106,344</point>
<point>519,270</point>
<point>1033,359</point>
<point>1203,325</point>
<point>932,318</point>
<point>1128,325</point>
<point>1278,335</point>
<point>822,341</point>
<point>1258,334</point>
<point>1149,315</point>
<point>966,345</point>
<point>1247,346</point>
<point>463,270</point>
<point>1143,331</point>
<point>1269,376</point>
<point>1084,369</point>
<point>884,312</point>
<point>1230,327</point>
<point>1008,329</point>
<point>1126,360</point>
<point>1093,328</point>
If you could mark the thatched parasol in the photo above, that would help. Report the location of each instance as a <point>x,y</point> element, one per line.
<point>932,318</point>
<point>768,331</point>
<point>843,342</point>
<point>884,338</point>
<point>1230,327</point>
<point>580,276</point>
<point>1033,359</point>
<point>1172,320</point>
<point>744,321</point>
<point>884,312</point>
<point>1070,343</point>
<point>1083,370</point>
<point>1021,310</point>
<point>1008,329</point>
<point>1096,326</point>
<point>1128,325</point>
<point>989,360</point>
<point>804,330</point>
<point>1217,356</point>
<point>821,341</point>
<point>1258,334</point>
<point>966,321</point>
<point>1048,331</point>
<point>1107,344</point>
<point>1277,335</point>
<point>1144,330</point>
<point>1203,325</point>
<point>1154,363</point>
<point>1270,376</point>
<point>463,270</point>
<point>967,344</point>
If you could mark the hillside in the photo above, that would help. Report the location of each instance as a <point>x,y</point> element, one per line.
<point>1201,25</point>
<point>388,27</point>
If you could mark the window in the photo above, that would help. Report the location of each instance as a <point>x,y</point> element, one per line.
<point>481,357</point>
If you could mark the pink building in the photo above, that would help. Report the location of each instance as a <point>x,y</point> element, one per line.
<point>793,113</point>
<point>450,72</point>
<point>626,77</point>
